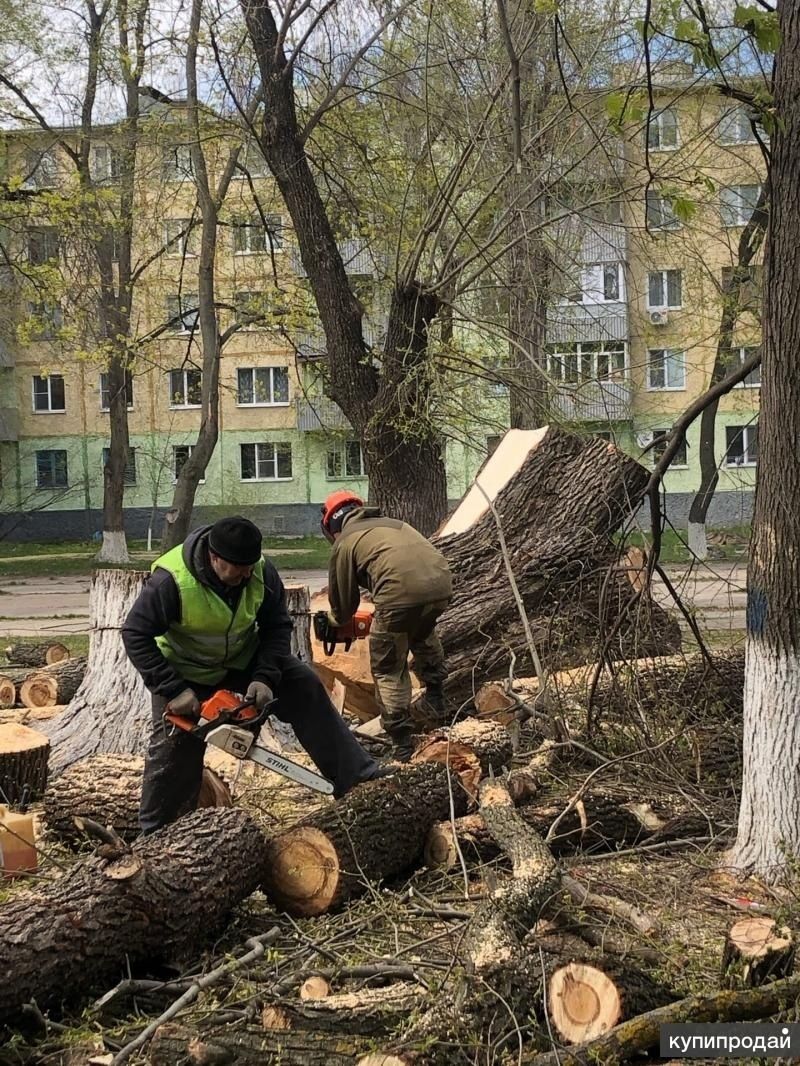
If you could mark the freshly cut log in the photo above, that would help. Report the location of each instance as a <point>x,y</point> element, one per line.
<point>559,498</point>
<point>37,654</point>
<point>365,1011</point>
<point>8,691</point>
<point>111,711</point>
<point>54,686</point>
<point>24,755</point>
<point>756,950</point>
<point>107,790</point>
<point>359,696</point>
<point>250,1045</point>
<point>471,748</point>
<point>376,831</point>
<point>155,903</point>
<point>315,987</point>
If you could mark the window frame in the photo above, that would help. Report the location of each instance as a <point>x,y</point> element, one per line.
<point>52,452</point>
<point>171,166</point>
<point>248,149</point>
<point>186,406</point>
<point>745,433</point>
<point>725,115</point>
<point>665,387</point>
<point>656,125</point>
<point>51,314</point>
<point>49,410</point>
<point>273,239</point>
<point>272,402</point>
<point>257,460</point>
<point>740,351</point>
<point>111,170</point>
<point>557,357</point>
<point>673,223</point>
<point>130,466</point>
<point>655,454</point>
<point>44,232</point>
<point>339,449</point>
<point>180,247</point>
<point>739,221</point>
<point>173,467</point>
<point>105,391</point>
<point>48,179</point>
<point>181,299</point>
<point>664,274</point>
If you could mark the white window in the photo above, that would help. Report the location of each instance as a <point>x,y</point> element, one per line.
<point>266,462</point>
<point>680,458</point>
<point>666,369</point>
<point>51,469</point>
<point>181,238</point>
<point>185,388</point>
<point>753,379</point>
<point>252,237</point>
<point>105,163</point>
<point>662,130</point>
<point>741,445</point>
<point>345,460</point>
<point>182,312</point>
<point>105,394</point>
<point>262,386</point>
<point>599,283</point>
<point>129,477</point>
<point>48,394</point>
<point>180,453</point>
<point>251,162</point>
<point>176,162</point>
<point>46,320</point>
<point>735,127</point>
<point>660,212</point>
<point>664,289</point>
<point>737,202</point>
<point>41,169</point>
<point>587,361</point>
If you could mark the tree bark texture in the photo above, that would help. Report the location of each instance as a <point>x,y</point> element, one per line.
<point>157,902</point>
<point>45,654</point>
<point>769,816</point>
<point>376,831</point>
<point>558,514</point>
<point>24,756</point>
<point>53,687</point>
<point>250,1046</point>
<point>367,1011</point>
<point>111,711</point>
<point>470,748</point>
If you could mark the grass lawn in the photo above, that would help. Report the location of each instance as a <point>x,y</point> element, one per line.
<point>731,544</point>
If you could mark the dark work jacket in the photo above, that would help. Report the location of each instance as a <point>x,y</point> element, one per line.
<point>158,606</point>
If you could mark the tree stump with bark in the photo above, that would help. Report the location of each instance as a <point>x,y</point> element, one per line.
<point>756,950</point>
<point>24,756</point>
<point>43,654</point>
<point>470,748</point>
<point>374,832</point>
<point>53,687</point>
<point>559,499</point>
<point>111,711</point>
<point>107,789</point>
<point>156,902</point>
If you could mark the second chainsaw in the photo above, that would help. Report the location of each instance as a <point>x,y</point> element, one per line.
<point>330,635</point>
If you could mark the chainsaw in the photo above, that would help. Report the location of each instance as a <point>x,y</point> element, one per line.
<point>231,724</point>
<point>329,636</point>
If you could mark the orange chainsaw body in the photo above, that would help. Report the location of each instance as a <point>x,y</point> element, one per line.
<point>357,628</point>
<point>213,707</point>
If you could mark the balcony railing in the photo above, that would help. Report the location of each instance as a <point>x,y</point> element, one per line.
<point>571,323</point>
<point>594,401</point>
<point>319,413</point>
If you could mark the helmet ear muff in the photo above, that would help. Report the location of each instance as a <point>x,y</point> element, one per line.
<point>333,504</point>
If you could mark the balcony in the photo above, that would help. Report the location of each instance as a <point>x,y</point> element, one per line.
<point>9,424</point>
<point>594,401</point>
<point>314,346</point>
<point>317,414</point>
<point>571,323</point>
<point>356,254</point>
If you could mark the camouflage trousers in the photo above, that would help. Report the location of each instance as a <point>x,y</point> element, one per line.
<point>395,633</point>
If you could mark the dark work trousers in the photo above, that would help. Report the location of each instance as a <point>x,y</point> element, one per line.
<point>173,768</point>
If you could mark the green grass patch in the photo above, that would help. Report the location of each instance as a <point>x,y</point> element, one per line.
<point>730,544</point>
<point>78,643</point>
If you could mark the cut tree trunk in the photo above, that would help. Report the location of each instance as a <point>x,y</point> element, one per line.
<point>37,654</point>
<point>376,831</point>
<point>756,951</point>
<point>111,711</point>
<point>24,755</point>
<point>107,790</point>
<point>251,1046</point>
<point>559,499</point>
<point>470,749</point>
<point>368,1010</point>
<point>156,902</point>
<point>53,687</point>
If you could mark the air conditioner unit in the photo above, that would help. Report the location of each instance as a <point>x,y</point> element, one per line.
<point>659,318</point>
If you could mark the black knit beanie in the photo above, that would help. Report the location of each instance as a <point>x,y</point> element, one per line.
<point>237,540</point>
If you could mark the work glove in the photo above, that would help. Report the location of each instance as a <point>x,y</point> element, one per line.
<point>186,704</point>
<point>259,693</point>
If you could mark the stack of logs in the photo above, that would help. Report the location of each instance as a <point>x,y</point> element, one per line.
<point>39,675</point>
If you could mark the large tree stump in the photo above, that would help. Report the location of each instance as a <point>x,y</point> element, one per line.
<point>376,831</point>
<point>470,748</point>
<point>23,763</point>
<point>111,711</point>
<point>107,789</point>
<point>756,951</point>
<point>251,1046</point>
<point>50,688</point>
<point>559,498</point>
<point>157,902</point>
<point>45,654</point>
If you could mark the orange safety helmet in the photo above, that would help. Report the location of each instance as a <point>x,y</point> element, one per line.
<point>333,502</point>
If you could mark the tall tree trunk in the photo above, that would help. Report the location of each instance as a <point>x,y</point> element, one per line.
<point>530,273</point>
<point>769,817</point>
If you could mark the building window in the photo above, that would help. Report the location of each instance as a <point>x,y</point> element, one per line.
<point>660,213</point>
<point>43,242</point>
<point>129,477</point>
<point>750,285</point>
<point>666,369</point>
<point>659,436</point>
<point>595,361</point>
<point>105,395</point>
<point>737,202</point>
<point>185,388</point>
<point>41,169</point>
<point>253,237</point>
<point>266,462</point>
<point>345,460</point>
<point>176,163</point>
<point>106,163</point>
<point>254,309</point>
<point>753,379</point>
<point>599,283</point>
<point>662,129</point>
<point>735,127</point>
<point>46,320</point>
<point>181,238</point>
<point>51,469</point>
<point>262,386</point>
<point>664,289</point>
<point>183,312</point>
<point>48,393</point>
<point>251,162</point>
<point>180,454</point>
<point>741,445</point>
